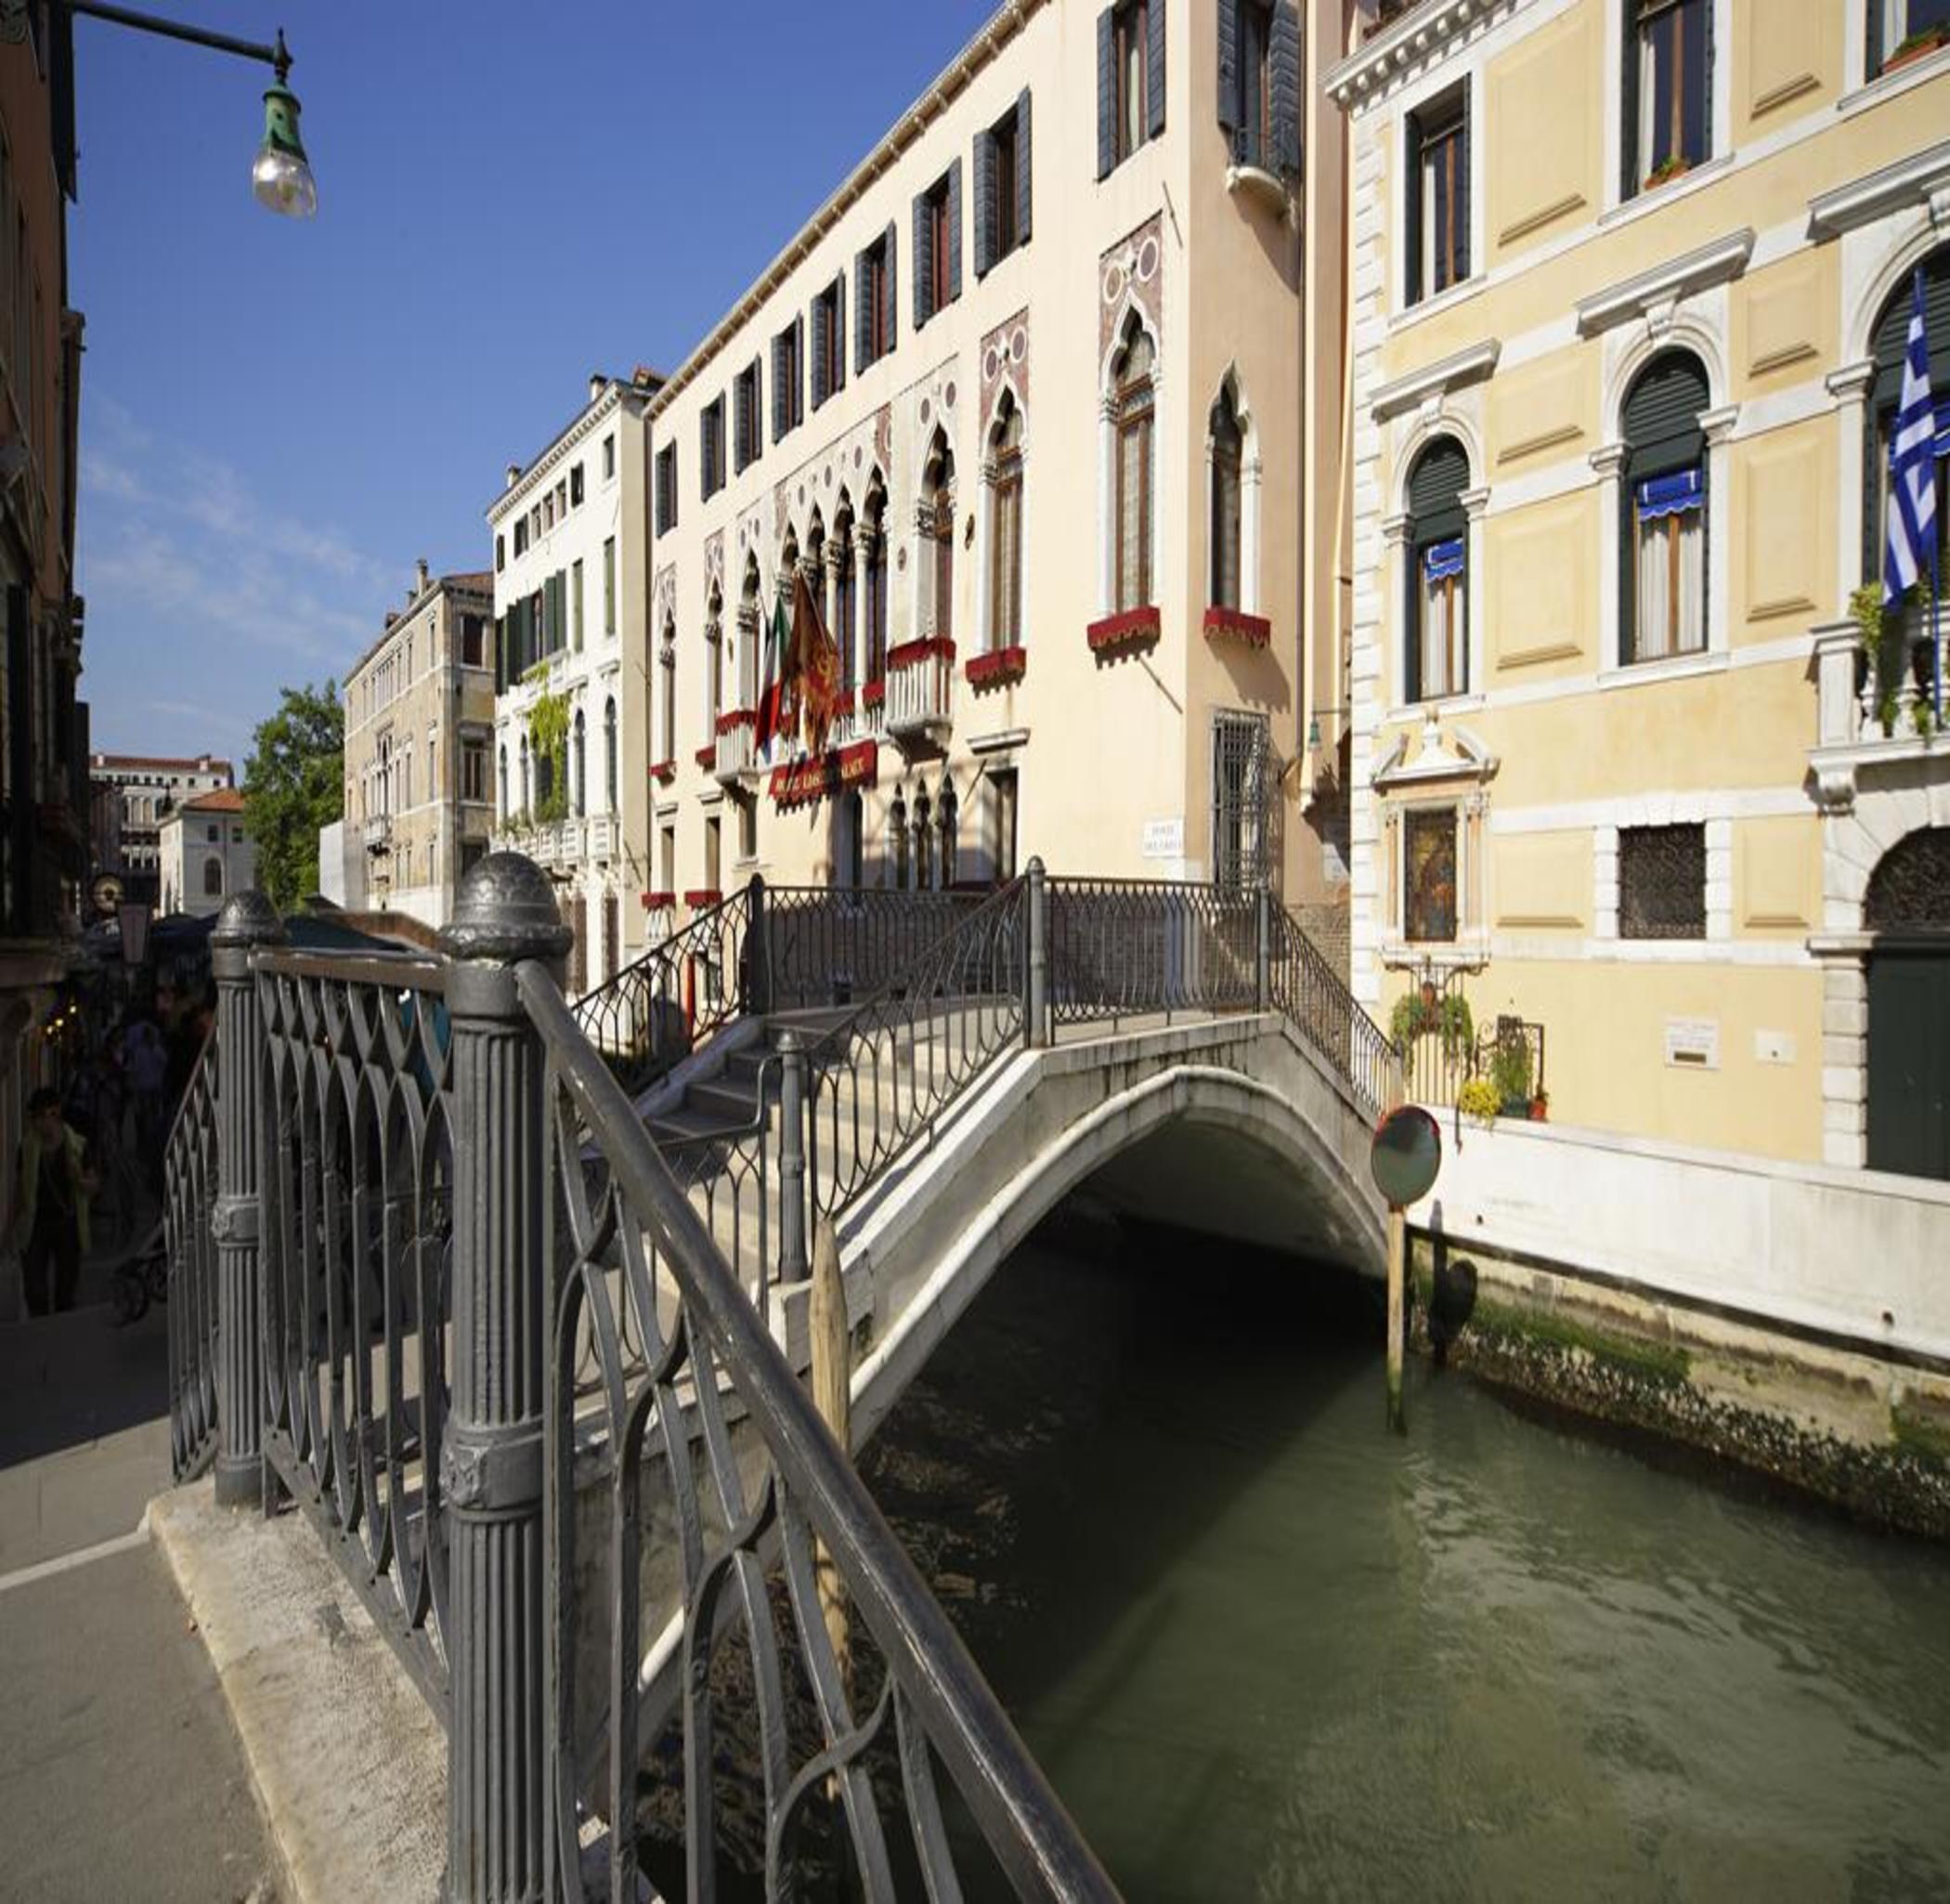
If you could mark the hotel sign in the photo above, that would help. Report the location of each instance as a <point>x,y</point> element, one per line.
<point>800,783</point>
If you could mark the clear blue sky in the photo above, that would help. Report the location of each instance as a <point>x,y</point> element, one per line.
<point>278,418</point>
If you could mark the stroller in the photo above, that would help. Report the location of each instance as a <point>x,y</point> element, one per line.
<point>141,1277</point>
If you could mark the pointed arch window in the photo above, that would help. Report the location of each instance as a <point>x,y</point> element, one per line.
<point>1663,570</point>
<point>938,532</point>
<point>846,589</point>
<point>1436,659</point>
<point>1006,527</point>
<point>873,630</point>
<point>923,842</point>
<point>1228,459</point>
<point>897,844</point>
<point>610,754</point>
<point>948,826</point>
<point>582,765</point>
<point>505,779</point>
<point>1132,407</point>
<point>667,660</point>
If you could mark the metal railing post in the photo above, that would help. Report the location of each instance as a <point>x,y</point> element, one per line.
<point>758,954</point>
<point>1035,1019</point>
<point>247,921</point>
<point>491,1459</point>
<point>1263,963</point>
<point>792,1159</point>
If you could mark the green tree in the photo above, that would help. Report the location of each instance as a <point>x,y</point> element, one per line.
<point>293,785</point>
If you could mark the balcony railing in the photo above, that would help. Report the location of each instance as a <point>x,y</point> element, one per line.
<point>377,832</point>
<point>738,745</point>
<point>602,836</point>
<point>920,688</point>
<point>1868,714</point>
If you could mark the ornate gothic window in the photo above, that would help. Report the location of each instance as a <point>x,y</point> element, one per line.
<point>1133,410</point>
<point>1229,447</point>
<point>1006,527</point>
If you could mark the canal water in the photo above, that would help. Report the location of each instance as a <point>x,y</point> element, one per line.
<point>1267,1651</point>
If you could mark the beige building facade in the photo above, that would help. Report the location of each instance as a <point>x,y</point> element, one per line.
<point>205,854</point>
<point>571,590</point>
<point>418,755</point>
<point>1024,404</point>
<point>1630,287</point>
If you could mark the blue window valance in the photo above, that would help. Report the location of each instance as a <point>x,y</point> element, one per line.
<point>1441,560</point>
<point>1943,429</point>
<point>1670,495</point>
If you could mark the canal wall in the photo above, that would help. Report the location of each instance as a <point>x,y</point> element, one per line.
<point>1790,1319</point>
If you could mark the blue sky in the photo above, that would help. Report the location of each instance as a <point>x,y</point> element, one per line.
<point>278,418</point>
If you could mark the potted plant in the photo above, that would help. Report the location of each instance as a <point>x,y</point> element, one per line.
<point>1540,1107</point>
<point>1925,40</point>
<point>1677,166</point>
<point>1510,1073</point>
<point>1885,648</point>
<point>1479,1102</point>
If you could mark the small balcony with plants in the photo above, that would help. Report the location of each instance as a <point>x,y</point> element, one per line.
<point>1879,682</point>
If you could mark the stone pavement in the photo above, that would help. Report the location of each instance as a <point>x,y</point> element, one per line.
<point>121,1774</point>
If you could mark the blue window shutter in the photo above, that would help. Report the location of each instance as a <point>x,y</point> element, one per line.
<point>985,202</point>
<point>1106,96</point>
<point>1022,188</point>
<point>1155,71</point>
<point>1284,53</point>
<point>860,359</point>
<point>890,307</point>
<point>953,232</point>
<point>1228,63</point>
<point>924,293</point>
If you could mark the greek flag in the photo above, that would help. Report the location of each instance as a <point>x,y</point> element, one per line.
<point>1912,472</point>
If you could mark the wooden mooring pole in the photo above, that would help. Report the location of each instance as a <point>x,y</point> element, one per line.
<point>1397,1319</point>
<point>833,1396</point>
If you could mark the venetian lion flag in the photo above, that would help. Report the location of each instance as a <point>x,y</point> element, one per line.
<point>815,669</point>
<point>771,683</point>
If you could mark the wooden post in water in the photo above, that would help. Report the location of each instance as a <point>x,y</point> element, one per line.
<point>1398,1320</point>
<point>833,1396</point>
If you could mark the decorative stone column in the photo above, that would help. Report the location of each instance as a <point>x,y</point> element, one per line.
<point>247,921</point>
<point>491,1460</point>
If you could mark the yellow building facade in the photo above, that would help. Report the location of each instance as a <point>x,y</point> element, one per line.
<point>1626,284</point>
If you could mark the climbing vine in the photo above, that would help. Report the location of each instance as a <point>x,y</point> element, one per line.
<point>548,743</point>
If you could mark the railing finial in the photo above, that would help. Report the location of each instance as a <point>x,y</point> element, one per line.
<point>247,918</point>
<point>505,912</point>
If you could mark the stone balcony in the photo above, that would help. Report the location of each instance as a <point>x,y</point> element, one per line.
<point>1862,725</point>
<point>604,836</point>
<point>736,756</point>
<point>920,693</point>
<point>377,833</point>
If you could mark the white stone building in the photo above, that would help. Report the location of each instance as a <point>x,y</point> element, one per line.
<point>205,853</point>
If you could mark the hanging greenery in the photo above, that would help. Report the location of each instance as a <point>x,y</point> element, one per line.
<point>1885,643</point>
<point>548,743</point>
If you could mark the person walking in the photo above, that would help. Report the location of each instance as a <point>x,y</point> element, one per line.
<point>51,1206</point>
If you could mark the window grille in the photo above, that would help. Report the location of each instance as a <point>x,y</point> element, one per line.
<point>1909,891</point>
<point>1662,882</point>
<point>1243,798</point>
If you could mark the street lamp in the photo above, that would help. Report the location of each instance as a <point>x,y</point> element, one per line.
<point>281,178</point>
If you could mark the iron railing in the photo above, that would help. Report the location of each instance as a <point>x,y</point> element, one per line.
<point>881,1078</point>
<point>1316,1001</point>
<point>650,1016</point>
<point>1128,949</point>
<point>189,1179</point>
<point>840,944</point>
<point>356,1186</point>
<point>740,1501</point>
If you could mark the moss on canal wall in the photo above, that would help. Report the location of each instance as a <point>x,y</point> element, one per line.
<point>1863,1435</point>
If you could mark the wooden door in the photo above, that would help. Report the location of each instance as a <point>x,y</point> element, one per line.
<point>1909,1063</point>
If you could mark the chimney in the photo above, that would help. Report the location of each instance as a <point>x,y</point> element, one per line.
<point>514,476</point>
<point>392,616</point>
<point>598,383</point>
<point>421,577</point>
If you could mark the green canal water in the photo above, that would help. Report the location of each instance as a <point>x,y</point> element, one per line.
<point>1267,1651</point>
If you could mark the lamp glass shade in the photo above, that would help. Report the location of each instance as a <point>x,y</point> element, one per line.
<point>281,179</point>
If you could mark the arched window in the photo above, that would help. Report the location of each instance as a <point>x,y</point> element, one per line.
<point>849,830</point>
<point>1892,343</point>
<point>845,589</point>
<point>212,878</point>
<point>1662,573</point>
<point>938,534</point>
<point>1006,527</point>
<point>714,652</point>
<point>1229,461</point>
<point>527,803</point>
<point>897,844</point>
<point>1133,406</point>
<point>610,764</point>
<point>1908,907</point>
<point>504,780</point>
<point>923,842</point>
<point>948,824</point>
<point>1436,661</point>
<point>874,548</point>
<point>582,764</point>
<point>667,661</point>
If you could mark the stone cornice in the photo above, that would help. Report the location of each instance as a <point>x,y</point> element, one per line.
<point>1424,33</point>
<point>1921,178</point>
<point>1664,284</point>
<point>578,431</point>
<point>1436,380</point>
<point>1002,27</point>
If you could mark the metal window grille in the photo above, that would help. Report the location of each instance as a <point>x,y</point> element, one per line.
<point>1662,882</point>
<point>1910,889</point>
<point>1243,799</point>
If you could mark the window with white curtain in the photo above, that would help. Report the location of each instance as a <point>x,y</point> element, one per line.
<point>1435,649</point>
<point>1670,517</point>
<point>1445,617</point>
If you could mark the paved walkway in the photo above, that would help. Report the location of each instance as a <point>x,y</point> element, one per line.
<point>121,1774</point>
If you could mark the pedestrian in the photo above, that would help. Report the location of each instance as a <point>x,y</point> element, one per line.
<point>145,1060</point>
<point>51,1206</point>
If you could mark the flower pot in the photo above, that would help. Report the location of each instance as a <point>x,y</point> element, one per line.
<point>1920,47</point>
<point>1540,1110</point>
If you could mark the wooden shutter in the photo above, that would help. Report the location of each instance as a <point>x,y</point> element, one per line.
<point>954,236</point>
<point>758,406</point>
<point>862,333</point>
<point>779,425</point>
<point>1106,95</point>
<point>890,304</point>
<point>924,286</point>
<point>1661,417</point>
<point>1284,55</point>
<point>1023,190</point>
<point>1891,341</point>
<point>501,654</point>
<point>1228,63</point>
<point>1630,169</point>
<point>741,419</point>
<point>985,202</point>
<point>1154,69</point>
<point>840,333</point>
<point>822,350</point>
<point>799,370</point>
<point>1462,246</point>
